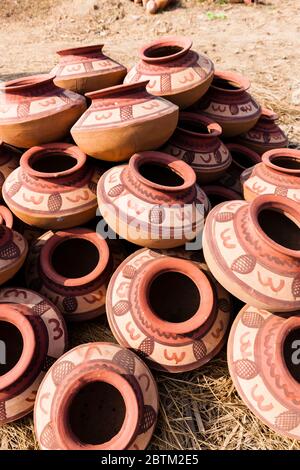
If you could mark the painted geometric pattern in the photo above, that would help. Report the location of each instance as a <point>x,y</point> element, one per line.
<point>259,186</point>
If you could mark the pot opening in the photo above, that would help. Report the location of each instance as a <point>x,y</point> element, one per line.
<point>225,84</point>
<point>160,174</point>
<point>280,228</point>
<point>162,51</point>
<point>241,159</point>
<point>290,163</point>
<point>174,297</point>
<point>11,346</point>
<point>96,413</point>
<point>216,199</point>
<point>74,258</point>
<point>52,163</point>
<point>193,126</point>
<point>291,353</point>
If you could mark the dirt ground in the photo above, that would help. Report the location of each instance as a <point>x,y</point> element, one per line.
<point>199,410</point>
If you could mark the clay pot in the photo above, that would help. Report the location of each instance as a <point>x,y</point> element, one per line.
<point>13,247</point>
<point>174,70</point>
<point>278,173</point>
<point>217,194</point>
<point>228,103</point>
<point>34,111</point>
<point>86,68</point>
<point>242,159</point>
<point>261,347</point>
<point>196,142</point>
<point>153,6</point>
<point>74,267</point>
<point>90,385</point>
<point>54,187</point>
<point>9,161</point>
<point>123,120</point>
<point>253,249</point>
<point>265,135</point>
<point>33,336</point>
<point>153,201</point>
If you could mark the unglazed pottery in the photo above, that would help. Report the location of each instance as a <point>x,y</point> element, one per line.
<point>261,352</point>
<point>13,247</point>
<point>278,173</point>
<point>242,159</point>
<point>34,111</point>
<point>253,249</point>
<point>9,161</point>
<point>98,396</point>
<point>123,120</point>
<point>153,6</point>
<point>34,335</point>
<point>228,103</point>
<point>174,70</point>
<point>153,201</point>
<point>86,68</point>
<point>54,187</point>
<point>73,268</point>
<point>169,310</point>
<point>196,142</point>
<point>217,194</point>
<point>265,135</point>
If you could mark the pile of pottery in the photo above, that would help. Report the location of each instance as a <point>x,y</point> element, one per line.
<point>190,139</point>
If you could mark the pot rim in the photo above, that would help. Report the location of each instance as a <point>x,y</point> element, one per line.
<point>242,82</point>
<point>29,81</point>
<point>77,233</point>
<point>270,155</point>
<point>80,50</point>
<point>6,217</point>
<point>48,149</point>
<point>182,42</point>
<point>268,114</point>
<point>243,149</point>
<point>117,90</point>
<point>214,129</point>
<point>287,327</point>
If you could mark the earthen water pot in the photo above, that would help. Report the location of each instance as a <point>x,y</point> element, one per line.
<point>263,360</point>
<point>253,249</point>
<point>265,135</point>
<point>217,194</point>
<point>86,68</point>
<point>33,336</point>
<point>74,268</point>
<point>34,111</point>
<point>242,159</point>
<point>123,120</point>
<point>9,161</point>
<point>54,187</point>
<point>169,310</point>
<point>153,201</point>
<point>278,173</point>
<point>174,70</point>
<point>228,103</point>
<point>98,396</point>
<point>13,247</point>
<point>196,141</point>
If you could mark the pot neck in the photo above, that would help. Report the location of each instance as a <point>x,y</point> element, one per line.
<point>221,78</point>
<point>119,91</point>
<point>283,160</point>
<point>81,51</point>
<point>6,217</point>
<point>251,157</point>
<point>166,49</point>
<point>196,127</point>
<point>27,84</point>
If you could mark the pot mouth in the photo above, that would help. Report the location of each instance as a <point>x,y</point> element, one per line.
<point>242,157</point>
<point>118,90</point>
<point>289,349</point>
<point>154,169</point>
<point>74,257</point>
<point>283,160</point>
<point>178,276</point>
<point>165,49</point>
<point>52,160</point>
<point>19,332</point>
<point>95,393</point>
<point>229,82</point>
<point>218,194</point>
<point>26,82</point>
<point>198,126</point>
<point>268,115</point>
<point>268,212</point>
<point>81,50</point>
<point>6,217</point>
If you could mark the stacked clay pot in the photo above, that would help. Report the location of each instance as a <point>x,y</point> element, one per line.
<point>174,70</point>
<point>9,161</point>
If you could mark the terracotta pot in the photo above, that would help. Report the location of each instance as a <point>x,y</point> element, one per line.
<point>54,187</point>
<point>92,384</point>
<point>261,353</point>
<point>123,120</point>
<point>217,194</point>
<point>152,200</point>
<point>13,247</point>
<point>278,173</point>
<point>74,268</point>
<point>9,161</point>
<point>175,71</point>
<point>153,6</point>
<point>86,68</point>
<point>253,249</point>
<point>169,310</point>
<point>34,111</point>
<point>242,159</point>
<point>33,336</point>
<point>265,135</point>
<point>196,142</point>
<point>228,103</point>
